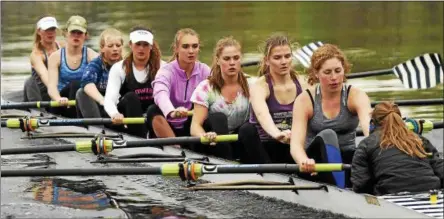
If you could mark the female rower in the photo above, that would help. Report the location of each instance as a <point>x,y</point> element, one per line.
<point>130,92</point>
<point>394,159</point>
<point>45,44</point>
<point>90,97</point>
<point>221,103</point>
<point>266,137</point>
<point>173,86</point>
<point>331,110</point>
<point>66,66</point>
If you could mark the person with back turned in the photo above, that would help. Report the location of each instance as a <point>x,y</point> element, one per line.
<point>393,159</point>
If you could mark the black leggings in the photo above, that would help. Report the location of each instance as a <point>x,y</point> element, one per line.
<point>152,111</point>
<point>325,149</point>
<point>218,122</point>
<point>69,91</point>
<point>129,105</point>
<point>260,152</point>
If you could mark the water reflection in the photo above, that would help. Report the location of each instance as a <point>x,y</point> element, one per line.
<point>85,194</point>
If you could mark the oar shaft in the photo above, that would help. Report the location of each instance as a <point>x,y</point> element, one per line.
<point>35,123</point>
<point>268,168</point>
<point>370,73</point>
<point>35,104</point>
<point>171,141</point>
<point>436,101</point>
<point>83,172</point>
<point>38,149</point>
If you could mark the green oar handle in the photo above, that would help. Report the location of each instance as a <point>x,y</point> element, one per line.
<point>220,138</point>
<point>135,120</point>
<point>57,104</point>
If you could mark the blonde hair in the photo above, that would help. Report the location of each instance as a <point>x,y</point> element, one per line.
<point>322,54</point>
<point>108,33</point>
<point>215,78</point>
<point>273,41</point>
<point>179,34</point>
<point>394,132</point>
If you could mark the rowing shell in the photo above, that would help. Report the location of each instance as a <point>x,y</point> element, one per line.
<point>327,197</point>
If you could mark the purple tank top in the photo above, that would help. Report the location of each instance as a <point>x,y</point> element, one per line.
<point>281,114</point>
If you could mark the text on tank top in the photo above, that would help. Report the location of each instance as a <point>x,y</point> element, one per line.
<point>45,62</point>
<point>282,114</point>
<point>344,124</point>
<point>66,74</point>
<point>143,90</point>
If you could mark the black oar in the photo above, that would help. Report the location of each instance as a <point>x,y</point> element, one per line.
<point>103,146</point>
<point>30,124</point>
<point>426,127</point>
<point>35,104</point>
<point>186,170</point>
<point>437,101</point>
<point>149,160</point>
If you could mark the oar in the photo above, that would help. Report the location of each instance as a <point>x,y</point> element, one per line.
<point>35,104</point>
<point>422,72</point>
<point>178,169</point>
<point>103,146</point>
<point>437,101</point>
<point>31,124</point>
<point>426,127</point>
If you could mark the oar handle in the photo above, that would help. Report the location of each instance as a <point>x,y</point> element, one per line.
<point>57,104</point>
<point>220,138</point>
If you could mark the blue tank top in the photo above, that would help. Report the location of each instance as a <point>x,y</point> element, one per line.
<point>282,114</point>
<point>66,74</point>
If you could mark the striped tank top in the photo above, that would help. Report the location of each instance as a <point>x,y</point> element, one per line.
<point>282,114</point>
<point>344,124</point>
<point>66,74</point>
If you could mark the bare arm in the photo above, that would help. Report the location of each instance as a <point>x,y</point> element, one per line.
<point>302,111</point>
<point>91,90</point>
<point>91,54</point>
<point>359,102</point>
<point>200,113</point>
<point>258,94</point>
<point>39,67</point>
<point>53,75</point>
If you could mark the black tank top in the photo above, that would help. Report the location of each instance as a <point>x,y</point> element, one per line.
<point>143,90</point>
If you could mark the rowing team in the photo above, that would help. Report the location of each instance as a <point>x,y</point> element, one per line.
<point>278,118</point>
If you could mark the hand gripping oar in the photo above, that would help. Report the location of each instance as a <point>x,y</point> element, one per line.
<point>30,124</point>
<point>103,146</point>
<point>36,104</point>
<point>186,171</point>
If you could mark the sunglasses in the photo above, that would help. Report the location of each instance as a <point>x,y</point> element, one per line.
<point>186,46</point>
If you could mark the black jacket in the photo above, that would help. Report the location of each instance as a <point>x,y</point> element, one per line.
<point>377,171</point>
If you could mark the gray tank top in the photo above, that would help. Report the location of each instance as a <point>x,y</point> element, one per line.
<point>344,124</point>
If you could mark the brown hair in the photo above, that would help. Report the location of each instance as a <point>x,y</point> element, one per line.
<point>179,34</point>
<point>394,133</point>
<point>215,78</point>
<point>322,54</point>
<point>109,32</point>
<point>153,62</point>
<point>275,40</point>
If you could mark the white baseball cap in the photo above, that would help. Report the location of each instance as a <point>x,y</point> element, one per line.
<point>46,23</point>
<point>141,35</point>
